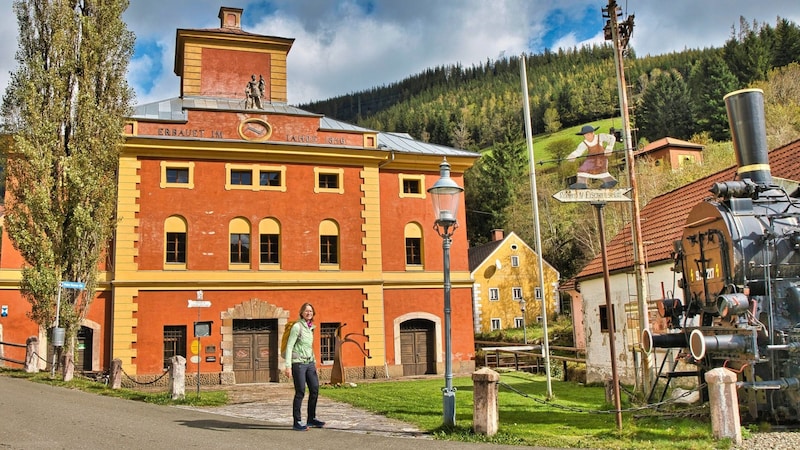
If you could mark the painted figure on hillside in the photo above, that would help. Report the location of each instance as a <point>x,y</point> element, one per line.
<point>595,166</point>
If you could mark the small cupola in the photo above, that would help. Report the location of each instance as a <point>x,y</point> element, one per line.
<point>230,18</point>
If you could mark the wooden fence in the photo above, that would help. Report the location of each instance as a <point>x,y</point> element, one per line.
<point>11,344</point>
<point>527,358</point>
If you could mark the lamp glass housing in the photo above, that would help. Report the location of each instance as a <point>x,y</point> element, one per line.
<point>446,196</point>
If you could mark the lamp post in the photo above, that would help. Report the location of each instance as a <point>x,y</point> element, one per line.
<point>524,322</point>
<point>446,196</point>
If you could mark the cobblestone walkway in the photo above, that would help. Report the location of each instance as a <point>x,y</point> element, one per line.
<point>272,402</point>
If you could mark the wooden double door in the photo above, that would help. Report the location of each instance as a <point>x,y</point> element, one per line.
<point>255,350</point>
<point>417,349</point>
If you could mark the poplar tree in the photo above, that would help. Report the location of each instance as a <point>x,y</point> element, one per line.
<point>65,108</point>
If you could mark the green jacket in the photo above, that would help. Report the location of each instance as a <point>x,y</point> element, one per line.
<point>300,347</point>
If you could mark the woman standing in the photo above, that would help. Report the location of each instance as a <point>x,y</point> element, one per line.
<point>300,352</point>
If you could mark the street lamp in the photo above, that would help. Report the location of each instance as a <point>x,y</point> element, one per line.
<point>446,196</point>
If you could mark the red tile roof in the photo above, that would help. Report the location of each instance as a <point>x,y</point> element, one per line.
<point>663,218</point>
<point>667,142</point>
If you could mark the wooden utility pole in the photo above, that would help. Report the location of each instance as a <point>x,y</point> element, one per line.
<point>620,33</point>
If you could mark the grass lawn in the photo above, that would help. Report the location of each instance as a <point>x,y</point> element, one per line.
<point>576,417</point>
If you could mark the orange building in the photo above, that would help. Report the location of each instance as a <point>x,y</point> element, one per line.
<point>236,208</point>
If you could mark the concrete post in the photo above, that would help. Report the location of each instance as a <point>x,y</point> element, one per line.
<point>724,404</point>
<point>485,417</point>
<point>116,373</point>
<point>32,355</point>
<point>177,377</point>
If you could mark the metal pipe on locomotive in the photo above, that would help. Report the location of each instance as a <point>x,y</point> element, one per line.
<point>739,256</point>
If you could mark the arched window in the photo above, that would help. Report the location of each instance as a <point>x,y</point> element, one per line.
<point>239,231</point>
<point>413,237</point>
<point>269,241</point>
<point>175,242</point>
<point>328,244</point>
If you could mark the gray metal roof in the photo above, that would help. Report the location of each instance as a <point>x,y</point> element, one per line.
<point>175,110</point>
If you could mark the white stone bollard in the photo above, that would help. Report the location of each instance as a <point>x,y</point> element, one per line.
<point>724,404</point>
<point>485,417</point>
<point>177,377</point>
<point>32,355</point>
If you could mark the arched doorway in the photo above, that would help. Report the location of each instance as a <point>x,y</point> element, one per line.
<point>83,350</point>
<point>417,349</point>
<point>250,347</point>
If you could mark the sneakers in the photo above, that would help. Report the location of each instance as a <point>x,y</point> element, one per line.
<point>316,423</point>
<point>299,427</point>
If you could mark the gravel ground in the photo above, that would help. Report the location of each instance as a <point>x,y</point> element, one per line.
<point>778,440</point>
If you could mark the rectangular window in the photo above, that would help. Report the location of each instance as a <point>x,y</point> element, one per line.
<point>515,261</point>
<point>177,175</point>
<point>329,249</point>
<point>240,248</point>
<point>269,178</point>
<point>176,248</point>
<point>327,342</point>
<point>494,294</point>
<point>518,322</point>
<point>413,251</point>
<point>242,177</point>
<point>537,292</point>
<point>174,342</point>
<point>328,181</point>
<point>269,249</point>
<point>516,292</point>
<point>604,317</point>
<point>495,324</point>
<point>411,186</point>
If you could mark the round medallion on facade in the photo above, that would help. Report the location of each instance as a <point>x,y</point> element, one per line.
<point>254,129</point>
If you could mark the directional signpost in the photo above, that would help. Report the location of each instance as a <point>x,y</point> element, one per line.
<point>198,303</point>
<point>59,333</point>
<point>592,195</point>
<point>598,198</point>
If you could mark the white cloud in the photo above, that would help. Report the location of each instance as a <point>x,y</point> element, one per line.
<point>352,45</point>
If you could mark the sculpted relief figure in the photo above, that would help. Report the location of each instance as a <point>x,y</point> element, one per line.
<point>253,93</point>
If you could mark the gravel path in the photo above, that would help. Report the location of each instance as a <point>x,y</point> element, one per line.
<point>776,440</point>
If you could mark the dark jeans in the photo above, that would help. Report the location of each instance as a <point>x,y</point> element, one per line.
<point>302,375</point>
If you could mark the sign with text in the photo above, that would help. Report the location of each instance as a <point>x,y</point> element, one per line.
<point>592,195</point>
<point>73,285</point>
<point>199,303</point>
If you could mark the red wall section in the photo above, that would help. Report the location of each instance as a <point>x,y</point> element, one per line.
<point>226,72</point>
<point>160,308</point>
<point>403,301</point>
<point>208,209</point>
<point>396,212</point>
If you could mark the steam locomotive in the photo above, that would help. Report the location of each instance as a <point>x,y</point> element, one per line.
<point>739,255</point>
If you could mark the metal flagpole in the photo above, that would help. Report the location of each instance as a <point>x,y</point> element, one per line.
<point>535,203</point>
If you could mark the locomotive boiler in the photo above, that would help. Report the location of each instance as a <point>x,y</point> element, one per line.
<point>739,256</point>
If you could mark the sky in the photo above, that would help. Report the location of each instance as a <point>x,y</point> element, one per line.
<point>346,46</point>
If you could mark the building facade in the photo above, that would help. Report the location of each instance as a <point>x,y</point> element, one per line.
<point>506,293</point>
<point>236,208</point>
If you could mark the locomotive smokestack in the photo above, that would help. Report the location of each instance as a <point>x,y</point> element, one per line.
<point>749,132</point>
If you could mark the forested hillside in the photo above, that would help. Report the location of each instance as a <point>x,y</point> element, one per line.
<point>480,108</point>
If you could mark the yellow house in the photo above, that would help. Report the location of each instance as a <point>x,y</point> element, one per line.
<point>506,292</point>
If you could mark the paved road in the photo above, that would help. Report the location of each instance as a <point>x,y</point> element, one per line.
<point>37,416</point>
